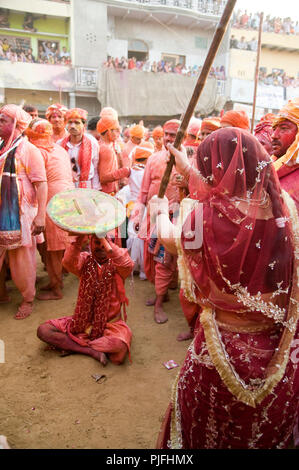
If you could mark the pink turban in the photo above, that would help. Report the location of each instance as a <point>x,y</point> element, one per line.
<point>172,125</point>
<point>20,117</point>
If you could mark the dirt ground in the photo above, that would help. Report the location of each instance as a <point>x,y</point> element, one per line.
<point>52,402</point>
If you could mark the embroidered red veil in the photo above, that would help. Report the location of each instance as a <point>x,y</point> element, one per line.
<point>246,260</point>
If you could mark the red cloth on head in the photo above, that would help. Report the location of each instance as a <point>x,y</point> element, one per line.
<point>172,125</point>
<point>56,108</point>
<point>21,120</point>
<point>236,119</point>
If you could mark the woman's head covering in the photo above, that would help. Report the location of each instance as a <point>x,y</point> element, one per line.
<point>56,108</point>
<point>21,120</point>
<point>236,119</point>
<point>242,252</point>
<point>76,113</point>
<point>39,133</point>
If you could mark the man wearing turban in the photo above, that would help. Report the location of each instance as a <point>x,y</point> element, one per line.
<point>23,198</point>
<point>83,150</point>
<point>59,177</point>
<point>137,134</point>
<point>109,167</point>
<point>235,119</point>
<point>192,140</point>
<point>264,130</point>
<point>208,126</point>
<point>160,266</point>
<point>56,116</point>
<point>285,143</point>
<point>157,136</point>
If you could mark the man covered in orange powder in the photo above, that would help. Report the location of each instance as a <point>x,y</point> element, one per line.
<point>160,266</point>
<point>137,134</point>
<point>235,119</point>
<point>83,150</point>
<point>98,326</point>
<point>157,136</point>
<point>109,170</point>
<point>285,143</point>
<point>192,140</point>
<point>208,126</point>
<point>23,191</point>
<point>56,116</point>
<point>59,178</point>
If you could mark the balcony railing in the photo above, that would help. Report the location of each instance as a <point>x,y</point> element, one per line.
<point>210,7</point>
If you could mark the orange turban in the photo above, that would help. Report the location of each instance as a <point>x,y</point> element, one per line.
<point>76,113</point>
<point>172,125</point>
<point>210,124</point>
<point>158,132</point>
<point>109,112</point>
<point>137,131</point>
<point>39,133</point>
<point>56,108</point>
<point>236,119</point>
<point>107,123</point>
<point>142,151</point>
<point>289,112</point>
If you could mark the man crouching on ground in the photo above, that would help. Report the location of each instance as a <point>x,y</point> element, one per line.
<point>97,328</point>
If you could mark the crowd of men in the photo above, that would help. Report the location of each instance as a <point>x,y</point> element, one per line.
<point>42,157</point>
<point>270,24</point>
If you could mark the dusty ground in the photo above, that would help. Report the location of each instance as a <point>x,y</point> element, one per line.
<point>51,402</point>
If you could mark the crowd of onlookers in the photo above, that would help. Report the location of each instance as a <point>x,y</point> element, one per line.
<point>160,66</point>
<point>48,53</point>
<point>270,24</point>
<point>243,44</point>
<point>277,78</point>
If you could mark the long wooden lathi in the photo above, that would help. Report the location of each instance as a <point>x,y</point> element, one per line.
<point>218,36</point>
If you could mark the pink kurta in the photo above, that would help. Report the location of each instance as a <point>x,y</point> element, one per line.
<point>109,172</point>
<point>59,176</point>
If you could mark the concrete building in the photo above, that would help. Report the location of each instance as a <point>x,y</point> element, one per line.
<point>175,31</point>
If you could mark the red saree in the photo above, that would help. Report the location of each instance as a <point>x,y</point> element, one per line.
<point>239,385</point>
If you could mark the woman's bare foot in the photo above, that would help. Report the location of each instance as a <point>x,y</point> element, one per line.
<point>185,336</point>
<point>160,316</point>
<point>24,311</point>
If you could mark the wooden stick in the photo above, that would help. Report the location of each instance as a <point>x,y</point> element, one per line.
<point>256,81</point>
<point>218,36</point>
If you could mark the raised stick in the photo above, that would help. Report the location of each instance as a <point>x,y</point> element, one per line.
<point>256,80</point>
<point>219,33</point>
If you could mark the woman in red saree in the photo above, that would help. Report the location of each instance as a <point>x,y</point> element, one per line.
<point>238,387</point>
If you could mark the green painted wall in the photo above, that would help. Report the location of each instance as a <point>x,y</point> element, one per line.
<point>43,25</point>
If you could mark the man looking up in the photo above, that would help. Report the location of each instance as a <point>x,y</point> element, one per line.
<point>23,184</point>
<point>83,150</point>
<point>56,116</point>
<point>285,144</point>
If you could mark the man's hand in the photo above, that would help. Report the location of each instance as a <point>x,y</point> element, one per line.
<point>38,225</point>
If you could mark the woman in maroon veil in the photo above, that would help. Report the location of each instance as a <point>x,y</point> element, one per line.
<point>239,385</point>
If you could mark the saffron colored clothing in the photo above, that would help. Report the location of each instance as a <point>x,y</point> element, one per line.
<point>109,170</point>
<point>114,337</point>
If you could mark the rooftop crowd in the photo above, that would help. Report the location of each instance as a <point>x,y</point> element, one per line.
<point>270,24</point>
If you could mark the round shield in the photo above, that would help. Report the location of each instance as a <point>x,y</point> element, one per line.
<point>86,211</point>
